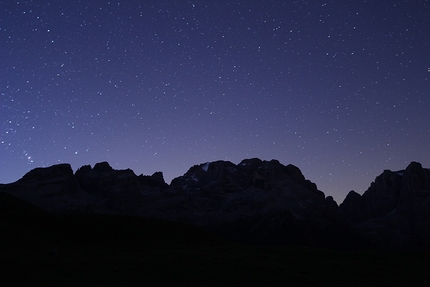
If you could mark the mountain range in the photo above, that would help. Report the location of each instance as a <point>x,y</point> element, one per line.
<point>255,202</point>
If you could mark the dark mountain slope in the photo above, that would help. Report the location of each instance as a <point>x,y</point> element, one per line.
<point>395,210</point>
<point>116,250</point>
<point>257,202</point>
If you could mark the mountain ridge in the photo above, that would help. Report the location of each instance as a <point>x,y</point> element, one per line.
<point>255,201</point>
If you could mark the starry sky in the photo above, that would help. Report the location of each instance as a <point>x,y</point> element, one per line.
<point>338,88</point>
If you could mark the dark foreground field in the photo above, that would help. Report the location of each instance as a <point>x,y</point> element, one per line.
<point>39,249</point>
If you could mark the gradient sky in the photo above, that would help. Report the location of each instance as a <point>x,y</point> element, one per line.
<point>338,88</point>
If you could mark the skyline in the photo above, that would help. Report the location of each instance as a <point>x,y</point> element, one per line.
<point>339,90</point>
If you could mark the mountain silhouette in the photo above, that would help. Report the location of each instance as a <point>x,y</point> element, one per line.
<point>254,202</point>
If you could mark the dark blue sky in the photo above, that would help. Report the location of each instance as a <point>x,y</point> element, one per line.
<point>338,88</point>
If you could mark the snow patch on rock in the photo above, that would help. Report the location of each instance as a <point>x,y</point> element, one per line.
<point>205,166</point>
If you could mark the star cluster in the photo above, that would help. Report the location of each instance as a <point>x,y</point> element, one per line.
<point>339,89</point>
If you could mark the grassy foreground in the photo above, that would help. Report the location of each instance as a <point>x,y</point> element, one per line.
<point>38,249</point>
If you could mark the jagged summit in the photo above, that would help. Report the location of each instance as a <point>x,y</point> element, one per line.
<point>395,208</point>
<point>237,202</point>
<point>230,177</point>
<point>255,201</point>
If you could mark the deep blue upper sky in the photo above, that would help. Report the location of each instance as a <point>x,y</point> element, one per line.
<point>338,88</point>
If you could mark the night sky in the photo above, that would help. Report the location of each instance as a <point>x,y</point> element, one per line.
<point>338,88</point>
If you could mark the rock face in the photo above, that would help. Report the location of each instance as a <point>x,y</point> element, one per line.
<point>53,188</point>
<point>394,212</point>
<point>117,191</point>
<point>259,202</point>
<point>91,190</point>
<point>255,201</point>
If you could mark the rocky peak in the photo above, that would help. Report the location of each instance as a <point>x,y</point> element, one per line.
<point>331,202</point>
<point>207,174</point>
<point>158,177</point>
<point>226,176</point>
<point>44,186</point>
<point>382,195</point>
<point>416,178</point>
<point>102,177</point>
<point>251,163</point>
<point>353,208</point>
<point>394,210</point>
<point>295,173</point>
<point>102,167</point>
<point>47,173</point>
<point>258,197</point>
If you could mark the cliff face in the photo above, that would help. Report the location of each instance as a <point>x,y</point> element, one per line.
<point>395,210</point>
<point>52,188</point>
<point>256,201</point>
